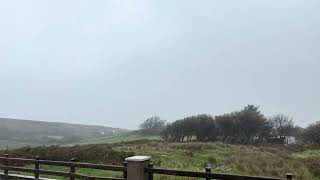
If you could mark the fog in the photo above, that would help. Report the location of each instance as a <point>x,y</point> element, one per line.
<point>116,63</point>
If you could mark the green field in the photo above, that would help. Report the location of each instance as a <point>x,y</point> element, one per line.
<point>309,154</point>
<point>123,137</point>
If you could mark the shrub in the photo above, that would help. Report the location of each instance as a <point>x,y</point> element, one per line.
<point>84,153</point>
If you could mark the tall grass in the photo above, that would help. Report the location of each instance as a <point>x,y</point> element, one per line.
<point>273,161</point>
<point>103,153</point>
<point>223,158</point>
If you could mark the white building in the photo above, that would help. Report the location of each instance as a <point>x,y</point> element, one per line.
<point>289,140</point>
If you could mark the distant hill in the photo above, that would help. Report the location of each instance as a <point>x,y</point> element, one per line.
<point>16,132</point>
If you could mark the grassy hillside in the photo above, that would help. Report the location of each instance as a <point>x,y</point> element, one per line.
<point>17,133</point>
<point>121,137</point>
<point>231,159</point>
<point>223,158</point>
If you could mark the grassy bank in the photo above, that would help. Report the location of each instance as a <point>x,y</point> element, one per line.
<point>231,159</point>
<point>123,137</point>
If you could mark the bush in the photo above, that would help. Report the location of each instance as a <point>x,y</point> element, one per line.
<point>84,153</point>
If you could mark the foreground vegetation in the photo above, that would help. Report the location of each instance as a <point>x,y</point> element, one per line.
<point>272,161</point>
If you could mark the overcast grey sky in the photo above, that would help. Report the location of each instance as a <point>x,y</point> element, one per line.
<point>117,62</point>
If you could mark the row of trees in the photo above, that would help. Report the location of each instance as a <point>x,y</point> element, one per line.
<point>247,126</point>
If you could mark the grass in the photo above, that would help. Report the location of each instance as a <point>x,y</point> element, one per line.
<point>20,133</point>
<point>222,158</point>
<point>231,159</point>
<point>312,159</point>
<point>308,154</point>
<point>123,137</point>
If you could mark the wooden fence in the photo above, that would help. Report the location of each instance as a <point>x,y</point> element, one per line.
<point>8,165</point>
<point>133,169</point>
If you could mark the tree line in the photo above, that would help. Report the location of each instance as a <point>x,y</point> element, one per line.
<point>246,126</point>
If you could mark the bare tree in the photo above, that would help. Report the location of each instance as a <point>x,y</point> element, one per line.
<point>153,125</point>
<point>282,125</point>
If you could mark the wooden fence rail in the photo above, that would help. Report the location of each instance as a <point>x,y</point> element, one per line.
<point>208,175</point>
<point>71,174</point>
<point>135,168</point>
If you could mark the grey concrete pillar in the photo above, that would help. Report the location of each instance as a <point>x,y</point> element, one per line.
<point>136,166</point>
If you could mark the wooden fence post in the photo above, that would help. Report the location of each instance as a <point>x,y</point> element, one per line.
<point>289,176</point>
<point>136,167</point>
<point>72,169</point>
<point>150,173</point>
<point>37,167</point>
<point>125,172</point>
<point>6,163</point>
<point>208,170</point>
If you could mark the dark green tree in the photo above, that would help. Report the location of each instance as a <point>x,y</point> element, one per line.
<point>311,134</point>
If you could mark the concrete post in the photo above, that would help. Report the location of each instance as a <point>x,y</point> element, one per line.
<point>136,166</point>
